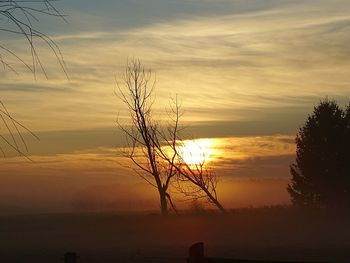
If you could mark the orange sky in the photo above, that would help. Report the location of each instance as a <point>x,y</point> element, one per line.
<point>253,171</point>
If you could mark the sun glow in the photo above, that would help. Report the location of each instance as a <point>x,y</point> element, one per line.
<point>195,152</point>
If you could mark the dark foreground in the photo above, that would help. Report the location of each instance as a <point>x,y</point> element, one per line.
<point>264,234</point>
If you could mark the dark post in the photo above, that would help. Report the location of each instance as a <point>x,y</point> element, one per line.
<point>70,257</point>
<point>196,253</point>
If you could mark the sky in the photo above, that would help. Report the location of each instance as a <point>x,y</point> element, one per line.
<point>247,74</point>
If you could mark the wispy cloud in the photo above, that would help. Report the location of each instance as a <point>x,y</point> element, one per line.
<point>247,55</point>
<point>27,88</point>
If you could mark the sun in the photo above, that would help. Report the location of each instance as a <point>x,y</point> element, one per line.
<point>195,152</point>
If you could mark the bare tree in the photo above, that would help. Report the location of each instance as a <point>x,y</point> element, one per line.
<point>18,18</point>
<point>153,149</point>
<point>142,132</point>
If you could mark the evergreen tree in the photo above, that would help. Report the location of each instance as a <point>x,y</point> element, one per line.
<point>320,172</point>
<point>346,154</point>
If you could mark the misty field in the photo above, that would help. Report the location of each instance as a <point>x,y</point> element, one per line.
<point>273,234</point>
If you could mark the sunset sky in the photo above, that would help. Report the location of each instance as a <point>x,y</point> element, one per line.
<point>247,73</point>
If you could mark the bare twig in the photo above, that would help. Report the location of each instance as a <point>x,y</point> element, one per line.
<point>13,133</point>
<point>18,18</point>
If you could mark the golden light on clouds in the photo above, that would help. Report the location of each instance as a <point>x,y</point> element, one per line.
<point>247,166</point>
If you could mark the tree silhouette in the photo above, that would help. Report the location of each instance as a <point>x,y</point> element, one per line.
<point>153,147</point>
<point>346,154</point>
<point>142,132</point>
<point>320,174</point>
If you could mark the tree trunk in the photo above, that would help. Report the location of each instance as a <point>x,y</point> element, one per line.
<point>215,201</point>
<point>163,203</point>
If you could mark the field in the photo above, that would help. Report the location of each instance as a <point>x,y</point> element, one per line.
<point>272,234</point>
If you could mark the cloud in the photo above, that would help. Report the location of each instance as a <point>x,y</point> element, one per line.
<point>99,180</point>
<point>27,87</point>
<point>104,160</point>
<point>224,59</point>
